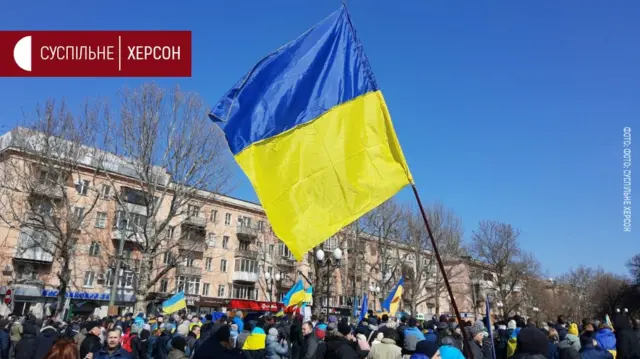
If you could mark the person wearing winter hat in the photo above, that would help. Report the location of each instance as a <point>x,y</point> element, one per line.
<point>532,343</point>
<point>178,347</point>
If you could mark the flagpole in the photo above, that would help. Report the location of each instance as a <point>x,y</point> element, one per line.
<point>442,269</point>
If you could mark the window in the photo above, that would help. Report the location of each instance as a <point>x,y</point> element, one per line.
<point>43,208</point>
<point>101,220</point>
<point>260,225</point>
<point>205,289</point>
<point>246,265</point>
<point>214,215</point>
<point>211,239</point>
<point>223,265</point>
<point>78,212</point>
<point>171,231</point>
<point>49,177</point>
<point>125,279</point>
<point>284,251</point>
<point>227,219</point>
<point>82,187</point>
<point>193,211</point>
<point>190,262</point>
<point>106,191</point>
<point>220,290</point>
<point>271,248</point>
<point>94,249</point>
<point>207,263</point>
<point>245,292</point>
<point>270,270</point>
<point>128,279</point>
<point>243,246</point>
<point>164,285</point>
<point>88,278</point>
<point>487,276</point>
<point>167,258</point>
<point>190,285</point>
<point>225,242</point>
<point>133,221</point>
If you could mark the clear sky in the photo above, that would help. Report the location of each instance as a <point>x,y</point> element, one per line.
<point>506,110</point>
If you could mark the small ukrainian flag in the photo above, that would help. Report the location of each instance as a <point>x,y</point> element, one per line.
<point>174,303</point>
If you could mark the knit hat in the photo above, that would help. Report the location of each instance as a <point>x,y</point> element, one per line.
<point>178,342</point>
<point>332,319</point>
<point>475,330</point>
<point>273,332</point>
<point>146,327</point>
<point>532,341</point>
<point>573,329</point>
<point>427,348</point>
<point>511,324</point>
<point>344,328</point>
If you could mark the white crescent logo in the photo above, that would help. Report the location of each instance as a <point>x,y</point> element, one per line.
<point>22,53</point>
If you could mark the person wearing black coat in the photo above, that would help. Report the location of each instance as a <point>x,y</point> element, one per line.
<point>218,346</point>
<point>296,338</point>
<point>44,341</point>
<point>91,342</point>
<point>139,344</point>
<point>161,348</point>
<point>339,346</point>
<point>5,341</point>
<point>26,347</point>
<point>627,345</point>
<point>532,344</point>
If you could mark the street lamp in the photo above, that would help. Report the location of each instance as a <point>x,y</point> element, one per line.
<point>500,305</point>
<point>375,290</point>
<point>270,281</point>
<point>329,263</point>
<point>536,310</point>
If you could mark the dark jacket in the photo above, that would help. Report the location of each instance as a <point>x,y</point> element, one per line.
<point>138,346</point>
<point>476,350</point>
<point>161,346</point>
<point>5,343</point>
<point>339,347</point>
<point>90,344</point>
<point>296,339</point>
<point>119,353</point>
<point>44,342</point>
<point>627,345</point>
<point>590,352</point>
<point>310,346</point>
<point>26,347</point>
<point>210,348</point>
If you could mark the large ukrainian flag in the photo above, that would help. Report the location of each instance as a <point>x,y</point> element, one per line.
<point>310,128</point>
<point>174,304</point>
<point>391,304</point>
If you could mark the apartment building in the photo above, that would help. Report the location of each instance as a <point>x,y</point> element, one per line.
<point>225,255</point>
<point>224,245</point>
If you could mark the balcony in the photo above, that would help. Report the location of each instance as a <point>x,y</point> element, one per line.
<point>244,276</point>
<point>247,232</point>
<point>285,262</point>
<point>285,282</point>
<point>182,270</point>
<point>131,208</point>
<point>127,235</point>
<point>36,254</point>
<point>246,253</point>
<point>192,245</point>
<point>50,190</point>
<point>195,221</point>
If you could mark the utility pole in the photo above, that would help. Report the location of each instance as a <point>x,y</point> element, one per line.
<point>116,274</point>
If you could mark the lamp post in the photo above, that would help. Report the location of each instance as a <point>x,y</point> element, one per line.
<point>500,305</point>
<point>329,263</point>
<point>375,290</point>
<point>270,281</point>
<point>536,310</point>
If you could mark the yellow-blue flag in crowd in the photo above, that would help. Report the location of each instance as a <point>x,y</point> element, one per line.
<point>256,340</point>
<point>174,303</point>
<point>309,126</point>
<point>391,304</point>
<point>295,295</point>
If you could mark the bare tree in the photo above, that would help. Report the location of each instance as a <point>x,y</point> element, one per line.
<point>634,268</point>
<point>496,244</point>
<point>175,158</point>
<point>427,284</point>
<point>609,293</point>
<point>580,282</point>
<point>49,189</point>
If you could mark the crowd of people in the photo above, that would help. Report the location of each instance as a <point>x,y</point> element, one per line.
<point>182,336</point>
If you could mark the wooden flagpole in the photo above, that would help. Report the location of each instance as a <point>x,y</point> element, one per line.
<point>442,270</point>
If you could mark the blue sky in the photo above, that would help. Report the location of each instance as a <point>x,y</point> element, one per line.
<point>506,110</point>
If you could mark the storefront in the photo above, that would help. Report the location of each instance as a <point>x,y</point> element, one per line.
<point>211,304</point>
<point>86,303</point>
<point>254,306</point>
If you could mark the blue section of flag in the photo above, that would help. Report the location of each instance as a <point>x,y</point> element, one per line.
<point>321,69</point>
<point>365,307</point>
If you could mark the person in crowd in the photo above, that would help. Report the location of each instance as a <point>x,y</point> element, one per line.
<point>589,349</point>
<point>554,340</point>
<point>237,319</point>
<point>44,340</point>
<point>254,346</point>
<point>194,335</point>
<point>183,332</point>
<point>5,339</point>
<point>531,344</point>
<point>178,346</point>
<point>91,342</point>
<point>277,348</point>
<point>243,335</point>
<point>310,346</point>
<point>65,348</point>
<point>341,344</point>
<point>412,335</point>
<point>476,338</point>
<point>296,338</point>
<point>15,335</point>
<point>112,348</point>
<point>627,345</point>
<point>606,339</point>
<point>387,348</point>
<point>425,350</point>
<point>161,345</point>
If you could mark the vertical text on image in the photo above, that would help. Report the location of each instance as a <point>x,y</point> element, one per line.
<point>626,179</point>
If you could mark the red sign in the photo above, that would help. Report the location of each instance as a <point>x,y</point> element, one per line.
<point>95,53</point>
<point>253,305</point>
<point>7,297</point>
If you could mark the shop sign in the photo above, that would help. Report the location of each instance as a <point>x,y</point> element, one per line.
<point>213,302</point>
<point>255,305</point>
<point>192,300</point>
<point>51,293</point>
